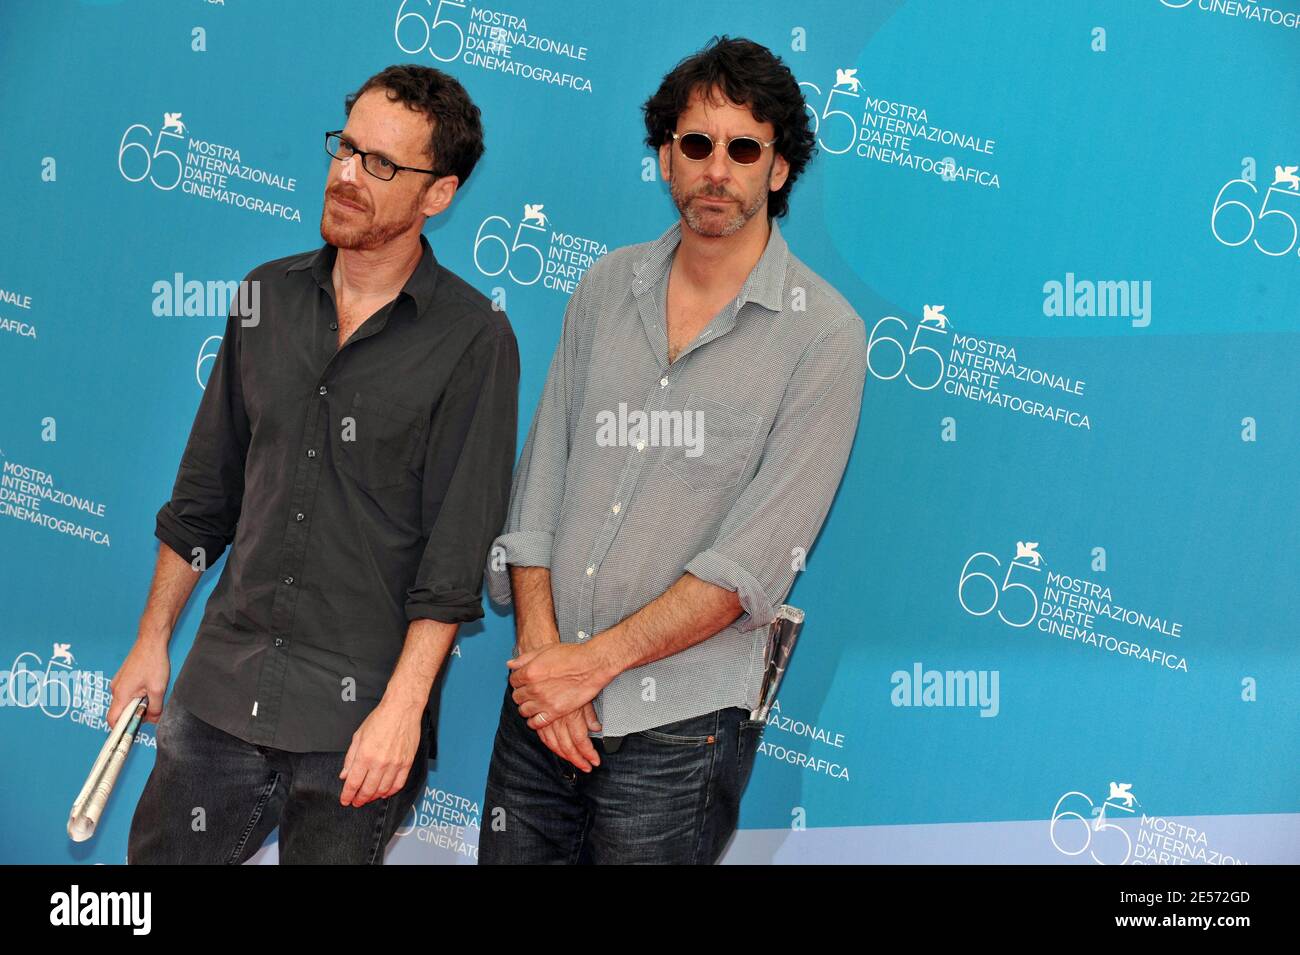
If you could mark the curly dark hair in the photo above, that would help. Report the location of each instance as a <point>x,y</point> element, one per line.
<point>748,74</point>
<point>457,141</point>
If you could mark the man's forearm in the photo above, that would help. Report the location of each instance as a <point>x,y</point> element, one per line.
<point>173,582</point>
<point>687,613</point>
<point>534,607</point>
<point>427,644</point>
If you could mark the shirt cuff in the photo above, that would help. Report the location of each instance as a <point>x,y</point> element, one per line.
<point>726,573</point>
<point>521,548</point>
<point>451,608</point>
<point>180,539</point>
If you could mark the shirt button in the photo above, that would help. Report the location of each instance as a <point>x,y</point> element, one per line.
<point>582,634</point>
<point>663,383</point>
<point>324,390</point>
<point>590,571</point>
<point>333,326</point>
<point>299,516</point>
<point>640,445</point>
<point>311,452</point>
<point>288,580</point>
<point>617,507</point>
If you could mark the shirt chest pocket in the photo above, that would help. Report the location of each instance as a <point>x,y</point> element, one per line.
<point>717,443</point>
<point>376,441</point>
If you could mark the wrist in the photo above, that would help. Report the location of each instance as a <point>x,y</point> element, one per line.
<point>153,634</point>
<point>606,660</point>
<point>405,697</point>
<point>534,638</point>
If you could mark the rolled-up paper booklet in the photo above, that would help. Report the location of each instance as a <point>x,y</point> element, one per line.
<point>781,638</point>
<point>90,803</point>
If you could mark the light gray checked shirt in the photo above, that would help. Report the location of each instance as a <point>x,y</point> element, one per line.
<point>619,513</point>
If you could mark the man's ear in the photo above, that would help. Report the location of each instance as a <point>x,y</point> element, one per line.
<point>438,196</point>
<point>666,161</point>
<point>780,170</point>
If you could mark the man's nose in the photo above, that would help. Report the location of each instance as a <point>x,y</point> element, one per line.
<point>717,168</point>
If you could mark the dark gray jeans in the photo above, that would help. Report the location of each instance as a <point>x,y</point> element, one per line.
<point>668,795</point>
<point>213,798</point>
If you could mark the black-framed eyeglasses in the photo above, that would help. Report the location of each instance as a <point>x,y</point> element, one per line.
<point>378,166</point>
<point>744,150</point>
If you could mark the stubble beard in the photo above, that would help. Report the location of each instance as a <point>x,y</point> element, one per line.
<point>707,223</point>
<point>364,237</point>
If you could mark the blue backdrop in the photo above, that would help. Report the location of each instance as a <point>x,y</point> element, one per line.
<point>1070,228</point>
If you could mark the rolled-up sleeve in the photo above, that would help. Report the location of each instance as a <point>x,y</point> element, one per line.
<point>538,490</point>
<point>467,479</point>
<point>779,514</point>
<point>207,496</point>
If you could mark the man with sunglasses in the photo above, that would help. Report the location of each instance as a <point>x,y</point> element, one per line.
<point>354,444</point>
<point>644,571</point>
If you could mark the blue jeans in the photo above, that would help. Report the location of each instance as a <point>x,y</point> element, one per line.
<point>244,791</point>
<point>668,795</point>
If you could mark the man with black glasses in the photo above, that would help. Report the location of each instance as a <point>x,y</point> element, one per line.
<point>648,550</point>
<point>354,443</point>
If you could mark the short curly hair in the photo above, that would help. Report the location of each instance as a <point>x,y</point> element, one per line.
<point>457,141</point>
<point>748,74</point>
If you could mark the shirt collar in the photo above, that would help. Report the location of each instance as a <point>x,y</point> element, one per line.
<point>765,284</point>
<point>419,287</point>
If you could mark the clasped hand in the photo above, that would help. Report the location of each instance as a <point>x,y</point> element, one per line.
<point>553,688</point>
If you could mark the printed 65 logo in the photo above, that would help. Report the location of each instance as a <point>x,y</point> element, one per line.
<point>1105,841</point>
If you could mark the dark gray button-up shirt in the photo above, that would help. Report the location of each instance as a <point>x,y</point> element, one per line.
<point>361,486</point>
<point>619,511</point>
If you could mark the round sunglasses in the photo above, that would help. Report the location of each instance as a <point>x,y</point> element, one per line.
<point>744,150</point>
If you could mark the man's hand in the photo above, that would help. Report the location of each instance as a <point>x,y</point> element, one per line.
<point>146,669</point>
<point>380,757</point>
<point>568,735</point>
<point>144,672</point>
<point>554,681</point>
<point>569,738</point>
